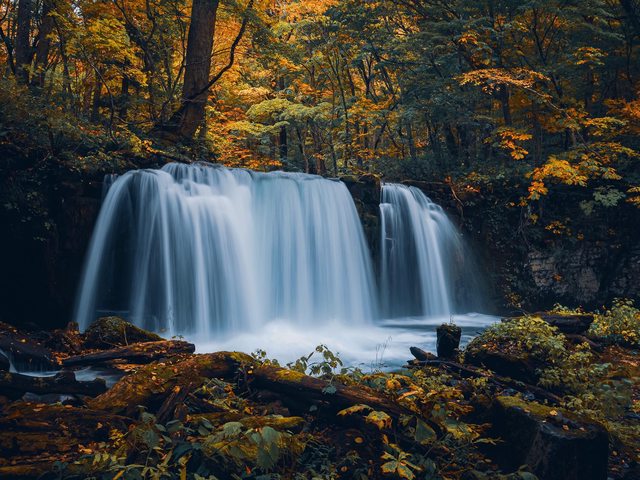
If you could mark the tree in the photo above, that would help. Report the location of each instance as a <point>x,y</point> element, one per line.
<point>195,92</point>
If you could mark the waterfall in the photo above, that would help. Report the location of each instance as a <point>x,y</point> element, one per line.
<point>209,251</point>
<point>422,256</point>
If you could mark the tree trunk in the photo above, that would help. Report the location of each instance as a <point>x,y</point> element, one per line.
<point>186,120</point>
<point>43,44</point>
<point>22,44</point>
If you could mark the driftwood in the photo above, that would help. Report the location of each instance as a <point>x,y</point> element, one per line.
<point>500,381</point>
<point>15,385</point>
<point>421,355</point>
<point>139,353</point>
<point>168,410</point>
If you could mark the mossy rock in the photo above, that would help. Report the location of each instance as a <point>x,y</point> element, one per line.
<point>554,443</point>
<point>109,332</point>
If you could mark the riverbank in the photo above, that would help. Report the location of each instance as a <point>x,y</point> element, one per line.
<point>566,405</point>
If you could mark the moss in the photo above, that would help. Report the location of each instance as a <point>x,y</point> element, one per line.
<point>109,332</point>
<point>290,375</point>
<point>556,416</point>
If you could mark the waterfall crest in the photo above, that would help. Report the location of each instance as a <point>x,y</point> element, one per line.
<point>422,256</point>
<point>206,250</point>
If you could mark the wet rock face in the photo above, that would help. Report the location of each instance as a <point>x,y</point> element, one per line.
<point>365,191</point>
<point>555,444</point>
<point>20,349</point>
<point>43,251</point>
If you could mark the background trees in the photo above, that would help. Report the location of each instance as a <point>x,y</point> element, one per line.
<point>547,89</point>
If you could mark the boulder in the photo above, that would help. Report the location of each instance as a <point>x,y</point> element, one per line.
<point>448,340</point>
<point>554,443</point>
<point>109,332</point>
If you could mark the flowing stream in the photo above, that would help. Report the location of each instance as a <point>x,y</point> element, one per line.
<point>242,260</point>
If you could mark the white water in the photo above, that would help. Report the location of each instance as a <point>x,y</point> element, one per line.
<point>423,259</point>
<point>239,260</point>
<point>209,251</point>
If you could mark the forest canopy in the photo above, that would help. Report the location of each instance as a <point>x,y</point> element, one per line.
<point>545,91</point>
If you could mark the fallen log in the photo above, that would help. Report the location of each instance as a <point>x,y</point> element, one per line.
<point>139,353</point>
<point>420,354</point>
<point>33,436</point>
<point>15,385</point>
<point>151,383</point>
<point>500,381</point>
<point>297,388</point>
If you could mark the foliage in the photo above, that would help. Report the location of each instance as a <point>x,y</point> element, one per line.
<point>528,337</point>
<point>620,323</point>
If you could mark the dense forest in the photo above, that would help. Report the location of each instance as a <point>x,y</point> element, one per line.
<point>520,118</point>
<point>544,91</point>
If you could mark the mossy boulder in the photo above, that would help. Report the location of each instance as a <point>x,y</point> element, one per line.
<point>520,348</point>
<point>554,443</point>
<point>109,332</point>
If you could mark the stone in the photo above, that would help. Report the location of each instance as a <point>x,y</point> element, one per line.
<point>554,443</point>
<point>109,332</point>
<point>448,340</point>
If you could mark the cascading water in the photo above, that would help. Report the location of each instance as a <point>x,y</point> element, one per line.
<point>422,255</point>
<point>208,251</point>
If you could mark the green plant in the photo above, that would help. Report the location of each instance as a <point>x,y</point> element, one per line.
<point>619,324</point>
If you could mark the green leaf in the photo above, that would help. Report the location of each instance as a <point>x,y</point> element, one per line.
<point>424,433</point>
<point>231,429</point>
<point>389,467</point>
<point>270,435</point>
<point>150,438</point>
<point>329,390</point>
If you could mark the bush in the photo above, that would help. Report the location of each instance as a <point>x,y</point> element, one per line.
<point>620,324</point>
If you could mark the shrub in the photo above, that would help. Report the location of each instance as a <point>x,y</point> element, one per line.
<point>619,324</point>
